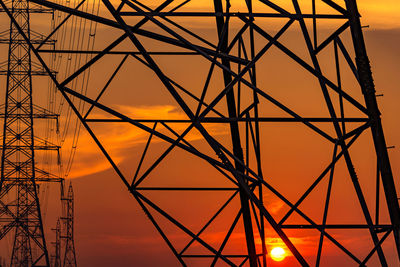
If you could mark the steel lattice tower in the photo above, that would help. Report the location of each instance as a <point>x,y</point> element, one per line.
<point>239,100</point>
<point>18,167</point>
<point>21,216</point>
<point>56,258</point>
<point>68,220</point>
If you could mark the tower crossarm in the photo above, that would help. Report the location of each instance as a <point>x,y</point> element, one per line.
<point>35,70</point>
<point>44,176</point>
<point>36,38</point>
<point>34,8</point>
<point>38,113</point>
<point>40,144</point>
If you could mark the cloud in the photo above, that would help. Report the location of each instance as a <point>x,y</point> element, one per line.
<point>274,206</point>
<point>117,138</point>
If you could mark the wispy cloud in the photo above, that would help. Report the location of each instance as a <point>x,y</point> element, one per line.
<point>118,137</point>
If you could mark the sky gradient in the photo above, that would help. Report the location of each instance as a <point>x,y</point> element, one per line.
<point>118,242</point>
<point>111,228</point>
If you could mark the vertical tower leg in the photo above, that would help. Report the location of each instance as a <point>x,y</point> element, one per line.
<point>223,29</point>
<point>368,90</point>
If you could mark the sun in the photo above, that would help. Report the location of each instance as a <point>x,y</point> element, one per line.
<point>278,254</point>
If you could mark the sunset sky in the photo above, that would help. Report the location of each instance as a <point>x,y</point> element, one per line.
<point>110,227</point>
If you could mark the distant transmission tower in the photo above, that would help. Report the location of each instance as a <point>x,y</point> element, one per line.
<point>56,258</point>
<point>21,215</point>
<point>68,233</point>
<point>227,94</point>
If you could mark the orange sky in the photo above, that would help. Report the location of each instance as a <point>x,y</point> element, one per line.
<point>111,229</point>
<point>284,162</point>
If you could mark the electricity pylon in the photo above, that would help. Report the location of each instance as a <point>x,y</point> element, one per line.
<point>68,236</point>
<point>21,215</point>
<point>56,258</point>
<point>237,94</point>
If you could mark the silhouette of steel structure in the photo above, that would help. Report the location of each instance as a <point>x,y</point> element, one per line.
<point>241,41</point>
<point>19,173</point>
<point>56,258</point>
<point>20,213</point>
<point>65,235</point>
<point>68,236</point>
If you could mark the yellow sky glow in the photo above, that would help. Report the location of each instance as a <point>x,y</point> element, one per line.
<point>378,14</point>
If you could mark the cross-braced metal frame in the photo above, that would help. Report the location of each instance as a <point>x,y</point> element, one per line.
<point>56,259</point>
<point>20,212</point>
<point>239,103</point>
<point>68,220</point>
